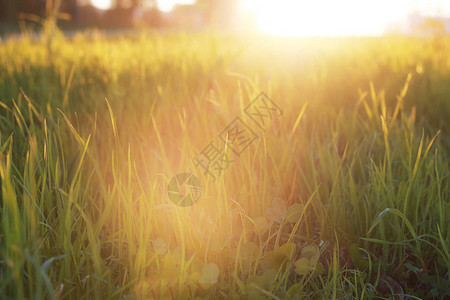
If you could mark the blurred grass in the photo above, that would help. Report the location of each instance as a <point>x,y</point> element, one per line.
<point>84,207</point>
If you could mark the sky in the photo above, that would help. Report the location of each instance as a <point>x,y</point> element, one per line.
<point>342,17</point>
<point>432,7</point>
<point>322,17</point>
<point>435,7</point>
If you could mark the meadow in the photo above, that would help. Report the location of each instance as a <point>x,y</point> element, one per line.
<point>344,195</point>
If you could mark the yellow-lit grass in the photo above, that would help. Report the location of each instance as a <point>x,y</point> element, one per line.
<point>85,210</point>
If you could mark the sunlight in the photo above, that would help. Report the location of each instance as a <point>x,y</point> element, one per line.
<point>102,4</point>
<point>168,5</point>
<point>324,17</point>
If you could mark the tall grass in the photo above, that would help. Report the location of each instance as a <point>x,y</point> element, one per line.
<point>357,165</point>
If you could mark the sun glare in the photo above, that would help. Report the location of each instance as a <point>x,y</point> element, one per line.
<point>324,17</point>
<point>102,4</point>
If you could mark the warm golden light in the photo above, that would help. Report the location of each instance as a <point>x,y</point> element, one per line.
<point>102,4</point>
<point>324,17</point>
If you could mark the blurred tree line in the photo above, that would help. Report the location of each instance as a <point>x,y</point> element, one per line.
<point>13,10</point>
<point>9,9</point>
<point>122,12</point>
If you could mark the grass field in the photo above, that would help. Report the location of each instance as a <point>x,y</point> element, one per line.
<point>345,194</point>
